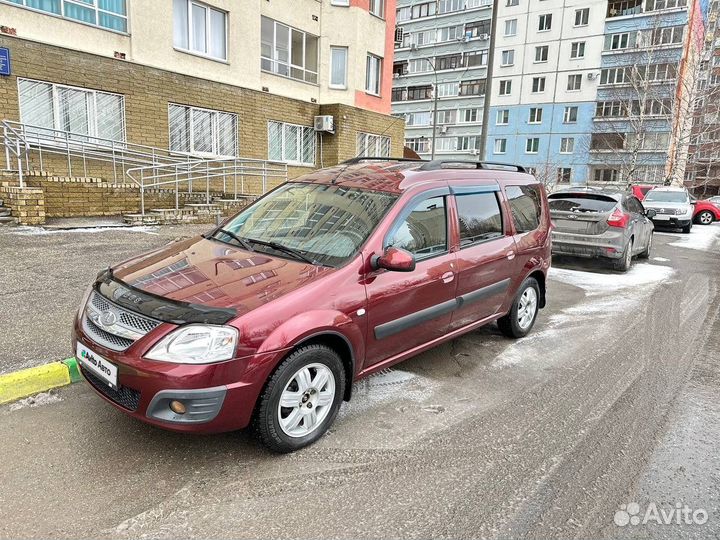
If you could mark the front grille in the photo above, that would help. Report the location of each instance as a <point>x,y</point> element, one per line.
<point>124,327</point>
<point>106,339</point>
<point>667,211</point>
<point>126,397</point>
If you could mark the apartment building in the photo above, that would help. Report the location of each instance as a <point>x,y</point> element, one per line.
<point>439,74</point>
<point>216,78</point>
<point>703,173</point>
<point>544,85</point>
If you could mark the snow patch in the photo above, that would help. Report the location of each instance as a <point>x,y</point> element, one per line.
<point>660,259</point>
<point>39,231</point>
<point>44,398</point>
<point>702,237</point>
<point>639,275</point>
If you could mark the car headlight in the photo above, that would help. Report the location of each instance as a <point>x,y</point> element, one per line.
<point>196,344</point>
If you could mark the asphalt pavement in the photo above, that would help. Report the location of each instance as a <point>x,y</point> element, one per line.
<point>608,410</point>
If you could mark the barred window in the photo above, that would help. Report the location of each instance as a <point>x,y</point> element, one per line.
<point>204,132</point>
<point>291,143</point>
<point>369,145</point>
<point>89,115</point>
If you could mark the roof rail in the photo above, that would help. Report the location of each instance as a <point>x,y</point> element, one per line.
<point>437,164</point>
<point>353,161</point>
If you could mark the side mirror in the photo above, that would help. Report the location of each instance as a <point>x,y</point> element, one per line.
<point>394,259</point>
<point>651,213</point>
<point>693,202</point>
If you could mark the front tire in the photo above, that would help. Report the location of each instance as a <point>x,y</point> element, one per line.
<point>521,317</point>
<point>301,399</point>
<point>705,217</point>
<point>687,228</point>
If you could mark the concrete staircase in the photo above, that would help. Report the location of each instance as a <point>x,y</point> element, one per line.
<point>5,215</point>
<point>218,209</point>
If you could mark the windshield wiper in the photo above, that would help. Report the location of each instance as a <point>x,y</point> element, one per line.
<point>244,243</point>
<point>285,249</point>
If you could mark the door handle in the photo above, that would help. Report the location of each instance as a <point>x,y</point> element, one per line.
<point>447,277</point>
<point>510,255</point>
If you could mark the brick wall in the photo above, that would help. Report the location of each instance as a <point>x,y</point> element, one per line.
<point>27,205</point>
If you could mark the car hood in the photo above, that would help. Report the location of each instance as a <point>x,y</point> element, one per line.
<point>210,273</point>
<point>660,204</point>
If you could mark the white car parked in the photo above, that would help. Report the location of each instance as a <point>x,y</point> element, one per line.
<point>672,205</point>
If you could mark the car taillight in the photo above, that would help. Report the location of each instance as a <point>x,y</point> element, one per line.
<point>618,219</point>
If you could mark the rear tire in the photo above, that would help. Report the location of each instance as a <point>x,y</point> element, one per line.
<point>623,264</point>
<point>646,254</point>
<point>523,313</point>
<point>311,381</point>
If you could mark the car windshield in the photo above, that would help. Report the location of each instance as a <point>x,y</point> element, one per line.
<point>655,195</point>
<point>322,223</point>
<point>581,202</point>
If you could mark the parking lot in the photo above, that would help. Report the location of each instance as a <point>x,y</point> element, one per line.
<point>612,399</point>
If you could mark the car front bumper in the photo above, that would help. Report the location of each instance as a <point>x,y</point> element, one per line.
<point>218,397</point>
<point>676,222</point>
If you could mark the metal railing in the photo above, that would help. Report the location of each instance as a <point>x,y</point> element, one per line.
<point>230,176</point>
<point>147,167</point>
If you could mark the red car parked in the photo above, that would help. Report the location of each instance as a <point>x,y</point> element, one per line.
<point>640,190</point>
<point>328,278</point>
<point>704,211</point>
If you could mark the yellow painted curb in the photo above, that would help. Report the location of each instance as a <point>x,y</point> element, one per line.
<point>27,382</point>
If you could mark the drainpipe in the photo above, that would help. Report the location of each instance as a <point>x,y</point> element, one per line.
<point>488,83</point>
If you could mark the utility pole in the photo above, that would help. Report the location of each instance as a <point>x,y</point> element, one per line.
<point>435,104</point>
<point>488,83</point>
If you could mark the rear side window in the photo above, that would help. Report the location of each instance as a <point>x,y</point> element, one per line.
<point>525,205</point>
<point>480,219</point>
<point>634,205</point>
<point>580,202</point>
<point>424,232</point>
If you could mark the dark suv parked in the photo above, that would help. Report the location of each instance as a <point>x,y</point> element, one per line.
<point>269,318</point>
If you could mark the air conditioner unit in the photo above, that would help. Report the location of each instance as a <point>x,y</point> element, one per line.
<point>475,152</point>
<point>592,76</point>
<point>396,75</point>
<point>443,129</point>
<point>325,122</point>
<point>413,47</point>
<point>399,34</point>
<point>484,36</point>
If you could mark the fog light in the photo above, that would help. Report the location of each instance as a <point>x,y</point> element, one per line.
<point>178,407</point>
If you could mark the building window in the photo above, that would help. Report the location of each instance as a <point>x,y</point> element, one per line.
<point>510,27</point>
<point>450,33</point>
<point>577,50</point>
<point>291,143</point>
<point>615,42</point>
<point>343,3</point>
<point>450,61</point>
<point>288,52</point>
<point>468,143</point>
<point>538,84</point>
<point>338,67</point>
<point>508,57</point>
<point>88,115</point>
<point>574,82</point>
<point>200,29</point>
<point>446,116</point>
<point>500,146</point>
<point>535,116</point>
<point>448,89</point>
<point>474,87</point>
<point>564,175</point>
<point>532,145</point>
<point>476,58</point>
<point>570,115</point>
<point>608,141</point>
<point>582,16</point>
<point>418,65</point>
<point>606,175</point>
<point>478,28</point>
<point>668,36</point>
<point>470,116</point>
<point>373,70</point>
<point>511,3</point>
<point>502,117</point>
<point>202,132</point>
<point>541,53</point>
<point>567,145</point>
<point>419,11</point>
<point>545,22</point>
<point>369,145</point>
<point>377,8</point>
<point>505,87</point>
<point>421,145</point>
<point>421,118</point>
<point>108,14</point>
<point>655,5</point>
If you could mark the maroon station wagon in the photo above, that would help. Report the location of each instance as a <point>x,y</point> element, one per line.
<point>268,319</point>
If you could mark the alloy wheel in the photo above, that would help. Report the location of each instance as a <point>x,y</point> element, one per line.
<point>706,218</point>
<point>306,400</point>
<point>527,307</point>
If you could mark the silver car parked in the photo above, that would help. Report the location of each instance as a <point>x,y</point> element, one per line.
<point>600,223</point>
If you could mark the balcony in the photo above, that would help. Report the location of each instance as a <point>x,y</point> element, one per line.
<point>624,8</point>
